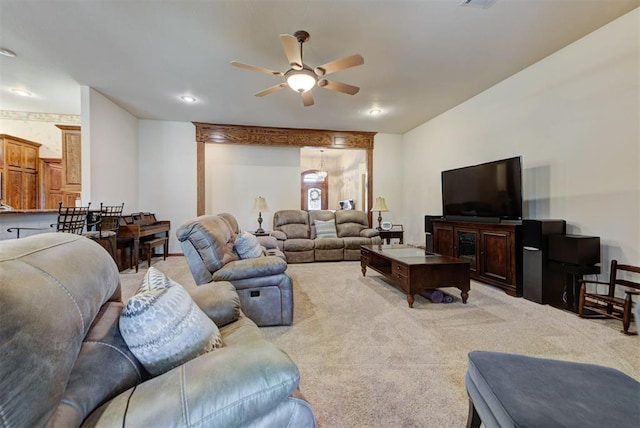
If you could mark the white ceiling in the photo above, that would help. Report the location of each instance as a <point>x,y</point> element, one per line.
<point>421,57</point>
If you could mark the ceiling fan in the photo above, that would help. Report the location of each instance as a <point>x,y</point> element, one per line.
<point>301,77</point>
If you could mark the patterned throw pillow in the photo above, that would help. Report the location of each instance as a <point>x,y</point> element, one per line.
<point>164,327</point>
<point>247,246</point>
<point>325,229</point>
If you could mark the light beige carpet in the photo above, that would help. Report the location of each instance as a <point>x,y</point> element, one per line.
<point>367,360</point>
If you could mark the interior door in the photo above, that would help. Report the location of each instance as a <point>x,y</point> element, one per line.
<point>314,191</point>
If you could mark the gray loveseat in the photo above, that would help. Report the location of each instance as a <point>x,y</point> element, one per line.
<point>298,237</point>
<point>64,363</point>
<point>264,287</point>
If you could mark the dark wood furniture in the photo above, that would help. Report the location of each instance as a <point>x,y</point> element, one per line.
<point>494,251</point>
<point>149,245</point>
<point>413,270</point>
<point>140,225</point>
<point>609,304</point>
<point>388,235</point>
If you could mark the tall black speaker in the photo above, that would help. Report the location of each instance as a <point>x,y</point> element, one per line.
<point>428,230</point>
<point>539,283</point>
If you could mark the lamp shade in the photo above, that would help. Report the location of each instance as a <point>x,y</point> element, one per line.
<point>380,205</point>
<point>260,205</point>
<point>301,80</point>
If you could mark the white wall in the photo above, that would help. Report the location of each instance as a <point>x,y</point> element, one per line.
<point>388,178</point>
<point>574,119</point>
<point>167,173</point>
<point>236,174</point>
<point>109,152</point>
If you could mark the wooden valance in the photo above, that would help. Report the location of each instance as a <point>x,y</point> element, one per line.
<point>269,136</point>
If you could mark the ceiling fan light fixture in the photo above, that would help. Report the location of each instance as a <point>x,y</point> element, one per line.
<point>21,92</point>
<point>375,112</point>
<point>188,99</point>
<point>7,52</point>
<point>301,80</point>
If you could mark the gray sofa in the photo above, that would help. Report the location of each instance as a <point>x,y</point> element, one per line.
<point>264,287</point>
<point>63,361</point>
<point>298,238</point>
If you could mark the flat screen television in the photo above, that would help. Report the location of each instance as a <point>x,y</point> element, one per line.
<point>491,190</point>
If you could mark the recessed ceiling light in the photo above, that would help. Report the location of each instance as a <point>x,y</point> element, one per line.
<point>375,112</point>
<point>7,52</point>
<point>188,99</point>
<point>22,92</point>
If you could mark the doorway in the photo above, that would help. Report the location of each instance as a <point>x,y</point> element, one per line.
<point>314,192</point>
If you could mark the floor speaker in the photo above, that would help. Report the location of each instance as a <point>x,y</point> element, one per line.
<point>428,230</point>
<point>539,283</point>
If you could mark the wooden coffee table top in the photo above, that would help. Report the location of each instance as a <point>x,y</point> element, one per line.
<point>412,255</point>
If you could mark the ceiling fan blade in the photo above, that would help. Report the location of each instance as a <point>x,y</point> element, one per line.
<point>338,86</point>
<point>339,64</point>
<point>307,98</point>
<point>256,68</point>
<point>292,50</point>
<point>271,90</point>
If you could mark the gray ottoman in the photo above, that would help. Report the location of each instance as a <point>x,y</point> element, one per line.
<point>509,390</point>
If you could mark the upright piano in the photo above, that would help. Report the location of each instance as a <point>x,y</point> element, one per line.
<point>141,225</point>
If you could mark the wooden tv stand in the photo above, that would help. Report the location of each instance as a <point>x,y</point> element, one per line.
<point>494,251</point>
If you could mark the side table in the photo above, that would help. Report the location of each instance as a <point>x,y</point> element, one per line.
<point>388,235</point>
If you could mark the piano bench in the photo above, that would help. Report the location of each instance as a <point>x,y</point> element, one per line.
<point>150,244</point>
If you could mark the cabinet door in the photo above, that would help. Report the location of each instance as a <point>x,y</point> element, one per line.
<point>13,195</point>
<point>496,249</point>
<point>71,158</point>
<point>443,240</point>
<point>29,190</point>
<point>466,246</point>
<point>14,155</point>
<point>30,159</point>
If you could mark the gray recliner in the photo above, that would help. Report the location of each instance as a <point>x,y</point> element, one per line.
<point>64,363</point>
<point>264,287</point>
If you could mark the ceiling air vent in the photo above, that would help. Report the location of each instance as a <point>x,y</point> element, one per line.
<point>482,4</point>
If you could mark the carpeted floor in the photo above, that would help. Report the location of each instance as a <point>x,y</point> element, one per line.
<point>367,360</point>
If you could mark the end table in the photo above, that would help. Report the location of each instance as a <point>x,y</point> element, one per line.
<point>388,235</point>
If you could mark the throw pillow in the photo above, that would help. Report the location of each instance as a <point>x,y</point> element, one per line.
<point>326,229</point>
<point>163,326</point>
<point>247,246</point>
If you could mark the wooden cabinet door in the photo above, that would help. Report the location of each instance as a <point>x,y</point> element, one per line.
<point>30,159</point>
<point>29,190</point>
<point>20,172</point>
<point>443,240</point>
<point>14,155</point>
<point>466,246</point>
<point>496,249</point>
<point>51,178</point>
<point>13,188</point>
<point>71,158</point>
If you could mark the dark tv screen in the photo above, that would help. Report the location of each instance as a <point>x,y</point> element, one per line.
<point>492,189</point>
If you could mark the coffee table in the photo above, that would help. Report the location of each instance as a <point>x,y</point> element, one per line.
<point>413,270</point>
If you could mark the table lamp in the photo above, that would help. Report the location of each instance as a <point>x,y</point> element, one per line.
<point>380,206</point>
<point>260,205</point>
